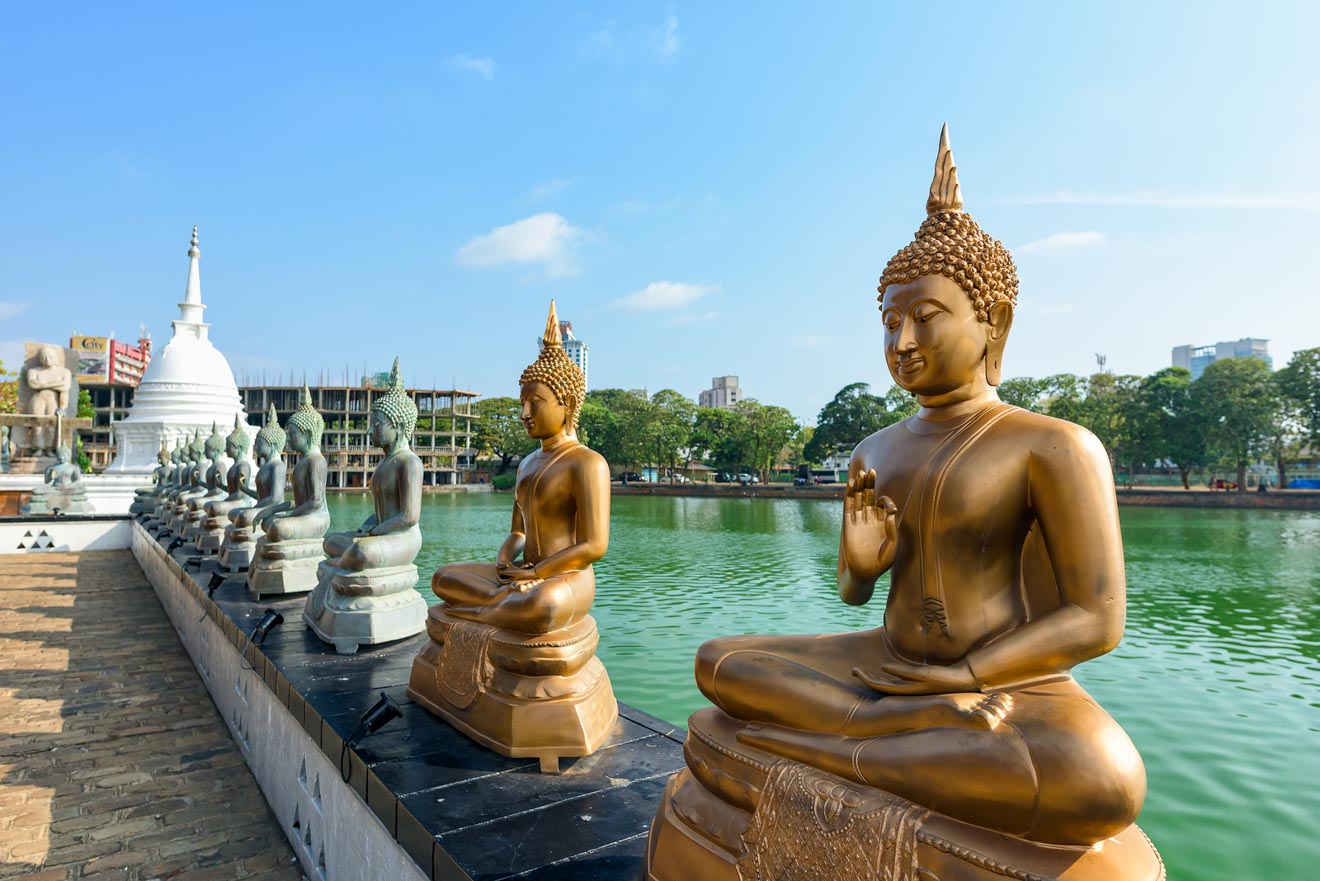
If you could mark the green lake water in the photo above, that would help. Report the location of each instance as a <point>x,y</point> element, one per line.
<point>1217,679</point>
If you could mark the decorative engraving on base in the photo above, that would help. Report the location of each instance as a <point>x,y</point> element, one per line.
<point>807,819</point>
<point>464,668</point>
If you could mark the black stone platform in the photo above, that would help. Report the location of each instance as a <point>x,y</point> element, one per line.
<point>461,811</point>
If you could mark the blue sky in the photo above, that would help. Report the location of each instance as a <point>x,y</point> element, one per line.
<point>704,188</point>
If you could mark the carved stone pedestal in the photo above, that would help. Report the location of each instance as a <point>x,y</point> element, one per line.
<point>809,824</point>
<point>351,608</point>
<point>519,694</point>
<point>237,548</point>
<point>46,501</point>
<point>284,567</point>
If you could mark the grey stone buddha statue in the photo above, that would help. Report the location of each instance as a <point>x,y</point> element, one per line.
<point>366,592</point>
<point>238,483</point>
<point>244,522</point>
<point>289,552</point>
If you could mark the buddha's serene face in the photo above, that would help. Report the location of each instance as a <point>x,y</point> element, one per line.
<point>263,449</point>
<point>934,343</point>
<point>299,441</point>
<point>231,449</point>
<point>63,455</point>
<point>383,431</point>
<point>542,414</point>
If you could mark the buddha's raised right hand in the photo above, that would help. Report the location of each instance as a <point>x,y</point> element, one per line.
<point>870,529</point>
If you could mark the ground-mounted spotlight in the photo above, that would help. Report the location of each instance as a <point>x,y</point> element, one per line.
<point>383,713</point>
<point>217,579</point>
<point>177,543</point>
<point>270,619</point>
<point>193,561</point>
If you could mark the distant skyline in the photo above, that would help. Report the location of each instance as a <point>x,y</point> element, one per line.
<point>703,189</point>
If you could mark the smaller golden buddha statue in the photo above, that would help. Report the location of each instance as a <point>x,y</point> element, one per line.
<point>952,743</point>
<point>366,591</point>
<point>289,552</point>
<point>511,660</point>
<point>241,533</point>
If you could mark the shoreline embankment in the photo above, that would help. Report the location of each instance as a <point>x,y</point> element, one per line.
<point>1149,497</point>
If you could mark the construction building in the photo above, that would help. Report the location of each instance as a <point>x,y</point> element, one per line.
<point>443,439</point>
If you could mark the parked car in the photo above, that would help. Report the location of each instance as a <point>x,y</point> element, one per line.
<point>746,478</point>
<point>631,477</point>
<point>724,477</point>
<point>799,481</point>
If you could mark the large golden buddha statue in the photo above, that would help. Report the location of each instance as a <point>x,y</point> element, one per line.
<point>512,658</point>
<point>952,743</point>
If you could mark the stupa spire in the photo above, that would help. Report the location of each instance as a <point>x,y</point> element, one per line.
<point>191,309</point>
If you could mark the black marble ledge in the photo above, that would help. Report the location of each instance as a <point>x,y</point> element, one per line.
<point>461,811</point>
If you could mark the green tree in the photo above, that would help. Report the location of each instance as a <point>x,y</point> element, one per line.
<point>852,415</point>
<point>595,421</point>
<point>499,431</point>
<point>766,429</point>
<point>1300,382</point>
<point>719,438</point>
<point>8,390</point>
<point>669,428</point>
<point>900,403</point>
<point>1169,424</point>
<point>1237,405</point>
<point>621,438</point>
<point>1025,392</point>
<point>85,408</point>
<point>1287,433</point>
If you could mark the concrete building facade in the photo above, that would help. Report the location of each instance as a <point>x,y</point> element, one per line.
<point>1198,358</point>
<point>723,394</point>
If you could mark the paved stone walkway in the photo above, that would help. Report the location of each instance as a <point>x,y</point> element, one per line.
<point>113,761</point>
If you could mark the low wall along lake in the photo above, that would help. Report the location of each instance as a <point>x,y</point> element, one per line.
<point>1217,679</point>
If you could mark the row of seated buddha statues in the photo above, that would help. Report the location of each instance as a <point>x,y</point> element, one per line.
<point>952,743</point>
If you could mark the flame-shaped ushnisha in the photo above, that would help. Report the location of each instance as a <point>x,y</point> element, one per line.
<point>306,419</point>
<point>397,406</point>
<point>556,371</point>
<point>949,243</point>
<point>271,432</point>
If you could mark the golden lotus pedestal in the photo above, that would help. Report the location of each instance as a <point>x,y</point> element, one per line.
<point>808,824</point>
<point>522,695</point>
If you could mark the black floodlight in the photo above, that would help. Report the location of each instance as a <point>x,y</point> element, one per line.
<point>269,619</point>
<point>217,579</point>
<point>177,543</point>
<point>383,713</point>
<point>193,561</point>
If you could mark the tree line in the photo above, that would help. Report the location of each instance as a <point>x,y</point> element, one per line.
<point>1236,413</point>
<point>632,429</point>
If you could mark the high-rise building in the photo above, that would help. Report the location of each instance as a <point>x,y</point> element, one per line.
<point>1198,358</point>
<point>574,347</point>
<point>723,394</point>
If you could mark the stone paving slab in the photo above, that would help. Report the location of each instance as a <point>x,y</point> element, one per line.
<point>113,761</point>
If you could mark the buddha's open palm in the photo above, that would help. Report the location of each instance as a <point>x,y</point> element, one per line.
<point>870,528</point>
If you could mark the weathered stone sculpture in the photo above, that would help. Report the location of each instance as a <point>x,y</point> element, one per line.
<point>512,658</point>
<point>5,449</point>
<point>194,484</point>
<point>65,492</point>
<point>240,536</point>
<point>215,468</point>
<point>164,499</point>
<point>238,483</point>
<point>144,498</point>
<point>952,743</point>
<point>288,554</point>
<point>48,382</point>
<point>366,592</point>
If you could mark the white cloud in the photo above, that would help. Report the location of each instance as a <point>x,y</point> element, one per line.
<point>543,238</point>
<point>12,309</point>
<point>482,67</point>
<point>1062,241</point>
<point>665,295</point>
<point>810,341</point>
<point>665,39</point>
<point>548,188</point>
<point>1154,199</point>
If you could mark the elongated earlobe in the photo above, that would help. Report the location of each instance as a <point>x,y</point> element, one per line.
<point>1000,320</point>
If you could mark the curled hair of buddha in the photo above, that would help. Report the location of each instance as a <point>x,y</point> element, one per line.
<point>949,243</point>
<point>271,432</point>
<point>306,419</point>
<point>197,447</point>
<point>164,455</point>
<point>215,444</point>
<point>239,437</point>
<point>396,406</point>
<point>557,372</point>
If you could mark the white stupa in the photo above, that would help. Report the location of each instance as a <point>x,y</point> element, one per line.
<point>187,386</point>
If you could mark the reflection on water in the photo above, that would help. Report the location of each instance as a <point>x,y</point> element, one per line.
<point>1217,679</point>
